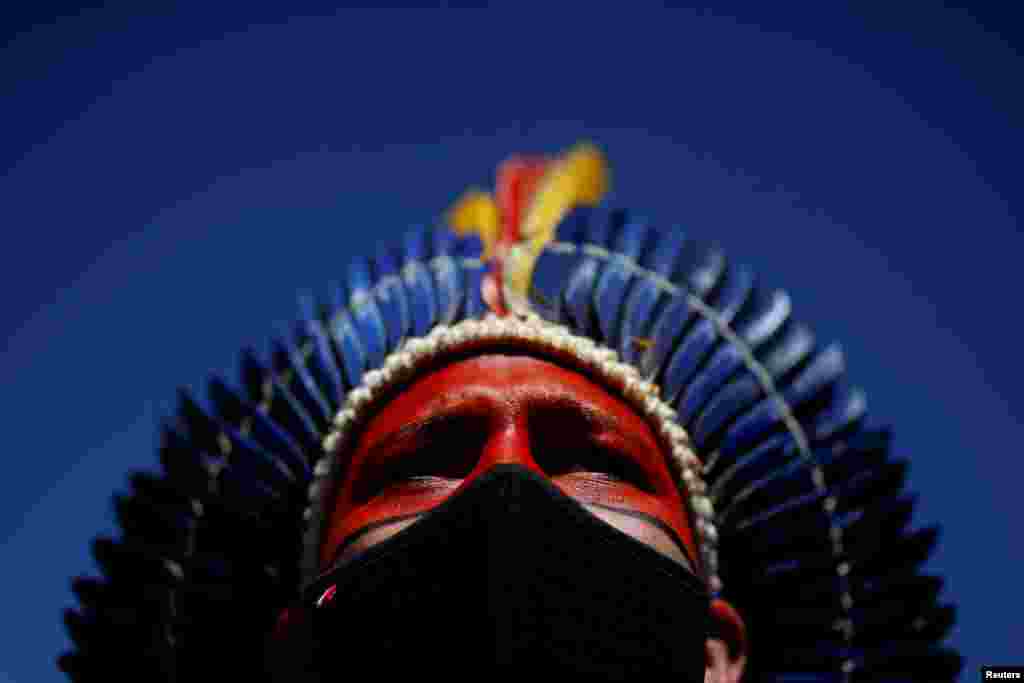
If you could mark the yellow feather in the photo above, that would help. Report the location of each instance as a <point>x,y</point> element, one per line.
<point>578,178</point>
<point>476,212</point>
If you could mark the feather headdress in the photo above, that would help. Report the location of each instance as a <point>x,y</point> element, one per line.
<point>808,512</point>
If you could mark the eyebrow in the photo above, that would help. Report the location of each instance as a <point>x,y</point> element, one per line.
<point>596,419</point>
<point>460,408</point>
<point>443,413</point>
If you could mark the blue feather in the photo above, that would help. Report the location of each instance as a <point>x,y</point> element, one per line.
<point>617,277</point>
<point>821,373</point>
<point>321,363</point>
<point>641,309</point>
<point>554,265</point>
<point>291,370</point>
<point>578,296</point>
<point>419,286</point>
<point>672,322</point>
<point>467,250</point>
<point>448,283</point>
<point>348,346</point>
<point>366,316</point>
<point>844,412</point>
<point>391,298</point>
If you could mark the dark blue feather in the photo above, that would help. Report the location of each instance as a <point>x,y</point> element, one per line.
<point>366,316</point>
<point>448,283</point>
<point>578,295</point>
<point>687,357</point>
<point>321,361</point>
<point>291,370</point>
<point>282,406</point>
<point>723,365</point>
<point>672,322</point>
<point>419,286</point>
<point>766,321</point>
<point>641,309</point>
<point>554,265</point>
<point>790,350</point>
<point>736,396</point>
<point>826,369</point>
<point>667,248</point>
<point>253,421</point>
<point>389,293</point>
<point>701,271</point>
<point>247,456</point>
<point>348,346</point>
<point>844,412</point>
<point>618,275</point>
<point>467,252</point>
<point>730,475</point>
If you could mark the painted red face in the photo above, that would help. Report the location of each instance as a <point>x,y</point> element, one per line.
<point>451,425</point>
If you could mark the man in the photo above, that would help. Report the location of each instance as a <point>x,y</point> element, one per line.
<point>549,439</point>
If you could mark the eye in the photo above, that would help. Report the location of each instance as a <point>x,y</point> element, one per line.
<point>437,451</point>
<point>596,459</point>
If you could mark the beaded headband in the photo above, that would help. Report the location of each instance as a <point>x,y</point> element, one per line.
<point>533,334</point>
<point>512,238</point>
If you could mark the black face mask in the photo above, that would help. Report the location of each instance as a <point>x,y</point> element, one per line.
<point>511,574</point>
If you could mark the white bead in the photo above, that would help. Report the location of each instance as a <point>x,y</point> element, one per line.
<point>436,334</point>
<point>393,362</point>
<point>371,379</point>
<point>651,406</point>
<point>689,478</point>
<point>448,337</point>
<point>696,487</point>
<point>681,453</point>
<point>677,434</point>
<point>665,412</point>
<point>415,346</point>
<point>358,398</point>
<point>711,562</point>
<point>708,531</point>
<point>344,419</point>
<point>634,389</point>
<point>702,506</point>
<point>408,348</point>
<point>322,467</point>
<point>331,442</point>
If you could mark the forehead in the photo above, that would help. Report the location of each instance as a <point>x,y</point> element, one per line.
<point>510,384</point>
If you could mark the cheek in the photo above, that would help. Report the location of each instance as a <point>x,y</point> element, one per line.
<point>666,506</point>
<point>414,497</point>
<point>397,501</point>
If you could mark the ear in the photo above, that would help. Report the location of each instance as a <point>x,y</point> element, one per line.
<point>726,649</point>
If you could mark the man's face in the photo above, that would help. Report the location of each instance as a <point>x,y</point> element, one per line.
<point>453,424</point>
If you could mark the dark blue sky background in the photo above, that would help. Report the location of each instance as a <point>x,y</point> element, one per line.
<point>170,180</point>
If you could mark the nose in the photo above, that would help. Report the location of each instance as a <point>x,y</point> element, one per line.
<point>508,443</point>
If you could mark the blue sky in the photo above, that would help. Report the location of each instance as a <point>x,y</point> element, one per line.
<point>171,181</point>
